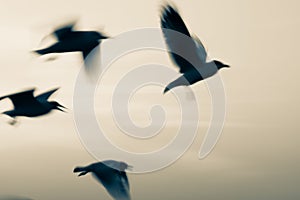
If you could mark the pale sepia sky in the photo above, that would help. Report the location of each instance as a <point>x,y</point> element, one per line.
<point>258,154</point>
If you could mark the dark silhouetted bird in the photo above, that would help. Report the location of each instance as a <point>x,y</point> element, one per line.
<point>25,104</point>
<point>112,175</point>
<point>70,40</point>
<point>171,20</point>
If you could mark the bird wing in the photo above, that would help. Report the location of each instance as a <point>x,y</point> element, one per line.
<point>119,186</point>
<point>64,31</point>
<point>115,181</point>
<point>170,19</point>
<point>201,51</point>
<point>124,190</point>
<point>44,96</point>
<point>22,99</point>
<point>88,50</point>
<point>125,180</point>
<point>111,164</point>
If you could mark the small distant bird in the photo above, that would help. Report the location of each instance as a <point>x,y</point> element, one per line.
<point>70,40</point>
<point>112,175</point>
<point>25,104</point>
<point>10,197</point>
<point>170,19</point>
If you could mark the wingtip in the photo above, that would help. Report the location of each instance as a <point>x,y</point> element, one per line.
<point>54,89</point>
<point>169,12</point>
<point>57,88</point>
<point>168,7</point>
<point>69,23</point>
<point>28,89</point>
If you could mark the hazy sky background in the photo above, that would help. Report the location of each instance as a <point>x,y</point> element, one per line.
<point>258,154</point>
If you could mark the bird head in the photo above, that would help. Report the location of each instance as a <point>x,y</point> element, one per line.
<point>220,64</point>
<point>99,36</point>
<point>83,171</point>
<point>57,106</point>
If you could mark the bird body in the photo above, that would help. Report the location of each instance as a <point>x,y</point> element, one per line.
<point>72,41</point>
<point>41,109</point>
<point>172,23</point>
<point>25,104</point>
<point>111,174</point>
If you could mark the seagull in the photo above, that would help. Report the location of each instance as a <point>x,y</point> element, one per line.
<point>25,104</point>
<point>70,40</point>
<point>171,20</point>
<point>112,175</point>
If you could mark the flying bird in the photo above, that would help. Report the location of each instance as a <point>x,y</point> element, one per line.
<point>26,104</point>
<point>171,21</point>
<point>10,197</point>
<point>111,174</point>
<point>70,40</point>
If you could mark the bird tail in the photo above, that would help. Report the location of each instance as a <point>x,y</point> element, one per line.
<point>10,113</point>
<point>181,81</point>
<point>170,86</point>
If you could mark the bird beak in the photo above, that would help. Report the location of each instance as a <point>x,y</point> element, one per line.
<point>103,37</point>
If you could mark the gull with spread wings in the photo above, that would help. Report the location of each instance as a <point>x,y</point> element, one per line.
<point>171,22</point>
<point>27,105</point>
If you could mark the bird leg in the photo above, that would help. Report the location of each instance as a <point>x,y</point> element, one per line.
<point>52,58</point>
<point>13,122</point>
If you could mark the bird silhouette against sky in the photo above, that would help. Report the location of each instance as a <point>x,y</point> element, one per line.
<point>70,40</point>
<point>27,105</point>
<point>111,174</point>
<point>171,20</point>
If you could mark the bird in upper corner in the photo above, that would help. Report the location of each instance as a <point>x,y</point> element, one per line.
<point>111,174</point>
<point>171,21</point>
<point>70,40</point>
<point>27,105</point>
